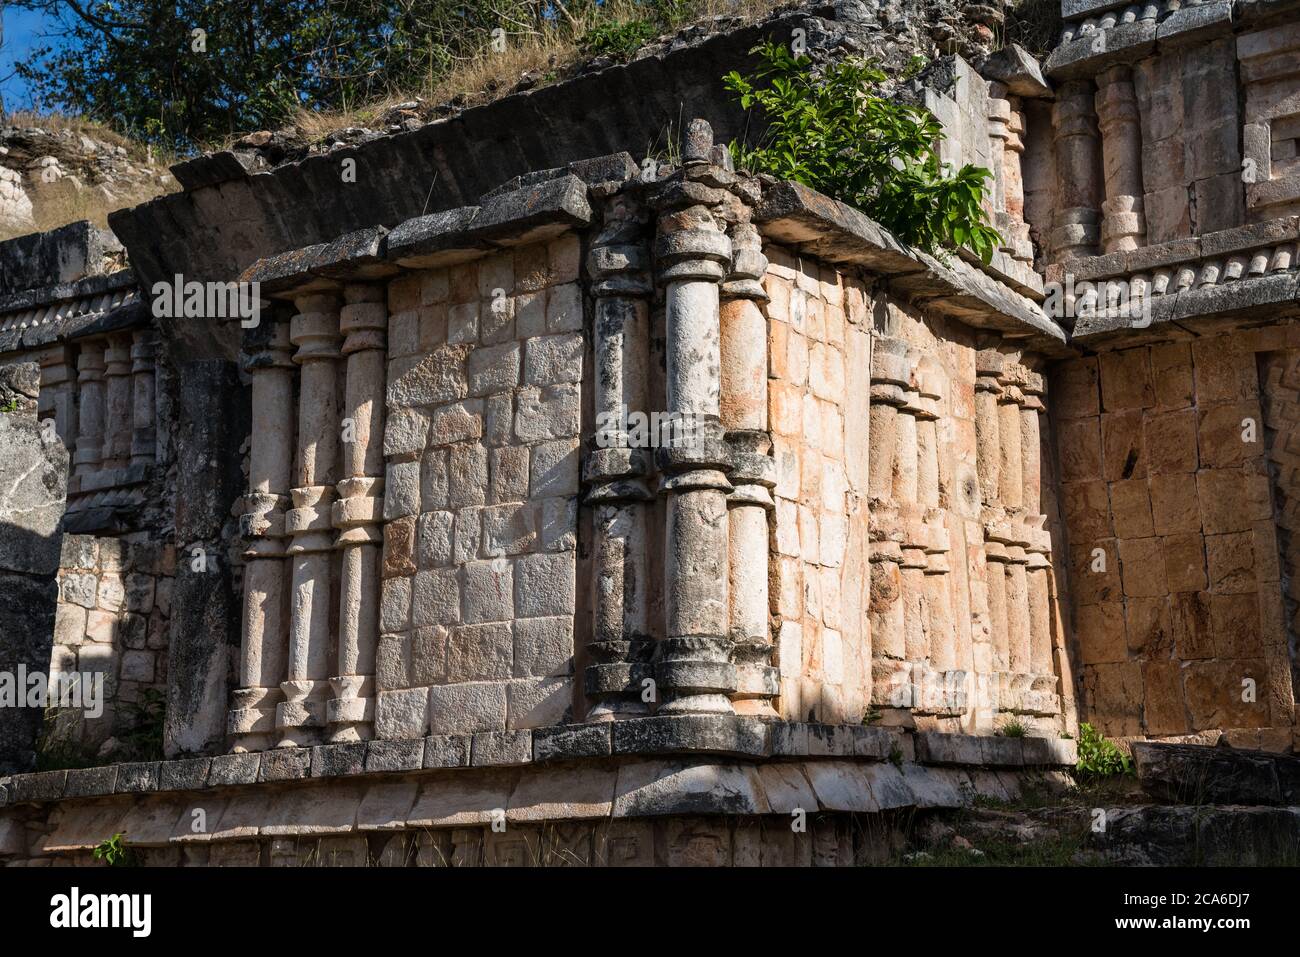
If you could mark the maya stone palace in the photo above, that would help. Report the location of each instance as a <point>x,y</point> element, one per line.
<point>520,498</point>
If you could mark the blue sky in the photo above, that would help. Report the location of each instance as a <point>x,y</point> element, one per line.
<point>24,29</point>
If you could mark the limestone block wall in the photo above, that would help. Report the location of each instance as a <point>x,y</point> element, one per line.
<point>1175,480</point>
<point>1168,123</point>
<point>1271,135</point>
<point>916,525</point>
<point>1190,130</point>
<point>112,619</point>
<point>486,361</point>
<point>819,347</point>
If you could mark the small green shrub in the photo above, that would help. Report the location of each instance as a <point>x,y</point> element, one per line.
<point>10,406</point>
<point>114,852</point>
<point>144,742</point>
<point>1014,729</point>
<point>618,40</point>
<point>831,132</point>
<point>1098,757</point>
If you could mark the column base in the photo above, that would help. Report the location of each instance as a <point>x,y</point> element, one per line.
<point>251,720</point>
<point>616,684</point>
<point>300,718</point>
<point>695,675</point>
<point>351,712</point>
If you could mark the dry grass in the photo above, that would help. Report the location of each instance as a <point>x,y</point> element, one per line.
<point>490,75</point>
<point>58,122</point>
<point>61,202</point>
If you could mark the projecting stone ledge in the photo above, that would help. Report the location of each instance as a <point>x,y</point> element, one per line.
<point>634,789</point>
<point>682,737</point>
<point>826,229</point>
<point>529,214</point>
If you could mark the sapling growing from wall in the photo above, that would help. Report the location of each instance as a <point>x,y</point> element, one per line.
<point>831,131</point>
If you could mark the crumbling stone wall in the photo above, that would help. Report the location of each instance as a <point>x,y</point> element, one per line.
<point>1174,548</point>
<point>113,619</point>
<point>33,487</point>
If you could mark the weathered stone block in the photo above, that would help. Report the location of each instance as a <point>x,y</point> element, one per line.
<point>492,748</point>
<point>284,764</point>
<point>480,652</point>
<point>488,592</point>
<point>464,708</point>
<point>447,751</point>
<point>437,599</point>
<point>230,769</point>
<point>554,469</point>
<point>538,702</point>
<point>565,742</point>
<point>406,755</point>
<point>332,760</point>
<point>493,369</point>
<point>543,646</point>
<point>401,714</point>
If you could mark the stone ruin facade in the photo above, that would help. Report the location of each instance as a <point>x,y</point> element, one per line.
<point>619,512</point>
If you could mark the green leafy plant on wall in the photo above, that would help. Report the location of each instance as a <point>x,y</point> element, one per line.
<point>1098,757</point>
<point>830,131</point>
<point>617,40</point>
<point>144,742</point>
<point>114,852</point>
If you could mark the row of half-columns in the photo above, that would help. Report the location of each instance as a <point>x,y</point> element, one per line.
<point>312,523</point>
<point>705,646</point>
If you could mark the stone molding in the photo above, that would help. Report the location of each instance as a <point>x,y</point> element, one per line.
<point>685,738</point>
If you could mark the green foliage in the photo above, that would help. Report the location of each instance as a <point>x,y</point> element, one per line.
<point>10,406</point>
<point>1098,757</point>
<point>135,64</point>
<point>114,852</point>
<point>138,67</point>
<point>1014,728</point>
<point>617,40</point>
<point>831,132</point>
<point>144,742</point>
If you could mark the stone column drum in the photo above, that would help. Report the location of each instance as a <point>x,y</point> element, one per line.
<point>90,409</point>
<point>753,473</point>
<point>264,648</point>
<point>118,420</point>
<point>1076,230</point>
<point>144,427</point>
<point>1123,225</point>
<point>58,395</point>
<point>693,662</point>
<point>315,331</point>
<point>621,644</point>
<point>358,514</point>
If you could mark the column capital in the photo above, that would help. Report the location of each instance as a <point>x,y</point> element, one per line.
<point>314,329</point>
<point>748,264</point>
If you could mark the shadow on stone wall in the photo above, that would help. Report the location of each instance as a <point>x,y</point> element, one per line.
<point>33,494</point>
